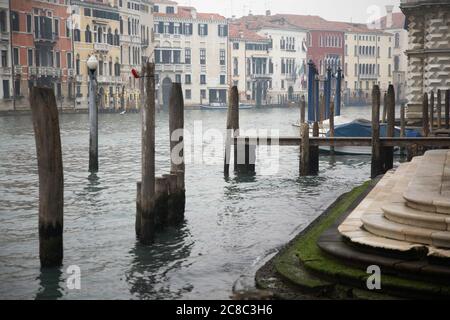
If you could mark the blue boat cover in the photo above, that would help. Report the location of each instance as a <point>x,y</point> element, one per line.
<point>363,128</point>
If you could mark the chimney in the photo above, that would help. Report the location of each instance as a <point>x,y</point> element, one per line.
<point>389,9</point>
<point>268,13</point>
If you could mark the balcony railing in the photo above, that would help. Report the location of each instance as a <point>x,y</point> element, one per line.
<point>4,36</point>
<point>368,76</point>
<point>79,78</point>
<point>103,47</point>
<point>5,71</point>
<point>51,37</point>
<point>263,76</point>
<point>70,73</point>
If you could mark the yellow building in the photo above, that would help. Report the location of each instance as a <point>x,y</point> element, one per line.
<point>368,60</point>
<point>96,32</point>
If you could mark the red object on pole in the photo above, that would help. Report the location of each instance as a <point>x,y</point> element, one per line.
<point>135,73</point>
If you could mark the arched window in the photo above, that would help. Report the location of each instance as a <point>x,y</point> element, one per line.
<point>100,35</point>
<point>77,64</point>
<point>116,38</point>
<point>109,37</point>
<point>397,40</point>
<point>76,34</point>
<point>88,34</point>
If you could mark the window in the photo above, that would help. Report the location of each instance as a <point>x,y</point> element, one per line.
<point>222,57</point>
<point>390,52</point>
<point>187,56</point>
<point>76,35</point>
<point>4,58</point>
<point>69,60</point>
<point>222,79</point>
<point>58,59</point>
<point>236,45</point>
<point>176,56</point>
<point>396,63</point>
<point>29,23</point>
<point>202,79</point>
<point>397,40</point>
<point>282,84</point>
<point>155,8</point>
<point>56,27</point>
<point>223,30</point>
<point>187,79</point>
<point>15,23</point>
<point>178,78</point>
<point>3,21</point>
<point>170,10</point>
<point>202,56</point>
<point>16,56</point>
<point>203,94</point>
<point>389,70</point>
<point>6,94</point>
<point>235,66</point>
<point>30,57</point>
<point>187,94</point>
<point>187,29</point>
<point>202,29</point>
<point>17,88</point>
<point>58,90</point>
<point>88,34</point>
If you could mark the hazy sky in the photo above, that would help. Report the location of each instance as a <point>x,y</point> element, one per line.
<point>339,10</point>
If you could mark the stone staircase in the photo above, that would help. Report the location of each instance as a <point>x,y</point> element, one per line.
<point>407,211</point>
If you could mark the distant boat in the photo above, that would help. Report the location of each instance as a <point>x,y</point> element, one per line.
<point>361,128</point>
<point>222,106</point>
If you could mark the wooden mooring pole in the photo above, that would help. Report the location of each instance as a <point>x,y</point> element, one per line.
<point>439,109</point>
<point>384,116</point>
<point>376,164</point>
<point>177,166</point>
<point>147,230</point>
<point>161,202</point>
<point>314,153</point>
<point>431,110</point>
<point>304,149</point>
<point>331,121</point>
<point>51,179</point>
<point>425,124</point>
<point>447,109</point>
<point>93,121</point>
<point>302,109</point>
<point>402,126</point>
<point>388,152</point>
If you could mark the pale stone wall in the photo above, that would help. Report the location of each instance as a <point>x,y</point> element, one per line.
<point>428,52</point>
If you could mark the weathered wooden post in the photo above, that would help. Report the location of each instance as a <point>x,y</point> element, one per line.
<point>138,208</point>
<point>93,115</point>
<point>314,153</point>
<point>304,149</point>
<point>447,109</point>
<point>322,108</point>
<point>232,128</point>
<point>176,130</point>
<point>376,165</point>
<point>302,109</point>
<point>402,125</point>
<point>172,214</point>
<point>431,110</point>
<point>425,125</point>
<point>331,121</point>
<point>390,129</point>
<point>161,202</point>
<point>383,119</point>
<point>439,109</point>
<point>148,159</point>
<point>51,180</point>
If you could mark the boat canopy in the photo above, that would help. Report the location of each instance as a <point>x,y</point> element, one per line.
<point>363,128</point>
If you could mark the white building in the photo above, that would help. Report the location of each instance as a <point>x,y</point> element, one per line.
<point>287,56</point>
<point>136,23</point>
<point>6,102</point>
<point>394,23</point>
<point>191,48</point>
<point>251,67</point>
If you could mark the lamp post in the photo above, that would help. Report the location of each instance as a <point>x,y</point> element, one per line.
<point>92,64</point>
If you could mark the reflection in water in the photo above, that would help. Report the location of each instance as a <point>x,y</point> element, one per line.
<point>50,284</point>
<point>169,253</point>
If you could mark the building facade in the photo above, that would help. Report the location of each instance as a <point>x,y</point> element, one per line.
<point>96,32</point>
<point>428,56</point>
<point>394,23</point>
<point>368,61</point>
<point>250,65</point>
<point>41,49</point>
<point>191,48</point>
<point>6,93</point>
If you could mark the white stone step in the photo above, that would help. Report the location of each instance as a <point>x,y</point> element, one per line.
<point>400,213</point>
<point>377,224</point>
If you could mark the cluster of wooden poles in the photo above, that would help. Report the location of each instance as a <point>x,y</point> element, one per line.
<point>160,201</point>
<point>432,107</point>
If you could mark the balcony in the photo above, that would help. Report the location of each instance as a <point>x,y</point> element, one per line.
<point>70,73</point>
<point>4,36</point>
<point>79,78</point>
<point>256,76</point>
<point>17,70</point>
<point>5,71</point>
<point>178,68</point>
<point>50,38</point>
<point>101,47</point>
<point>368,77</point>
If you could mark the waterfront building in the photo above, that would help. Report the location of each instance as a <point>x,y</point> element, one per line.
<point>250,66</point>
<point>368,61</point>
<point>428,51</point>
<point>191,48</point>
<point>6,102</point>
<point>41,50</point>
<point>96,32</point>
<point>136,25</point>
<point>394,23</point>
<point>287,56</point>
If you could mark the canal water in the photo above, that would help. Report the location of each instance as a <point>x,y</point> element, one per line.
<point>231,225</point>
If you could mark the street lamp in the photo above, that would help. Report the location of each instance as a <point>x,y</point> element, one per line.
<point>92,64</point>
